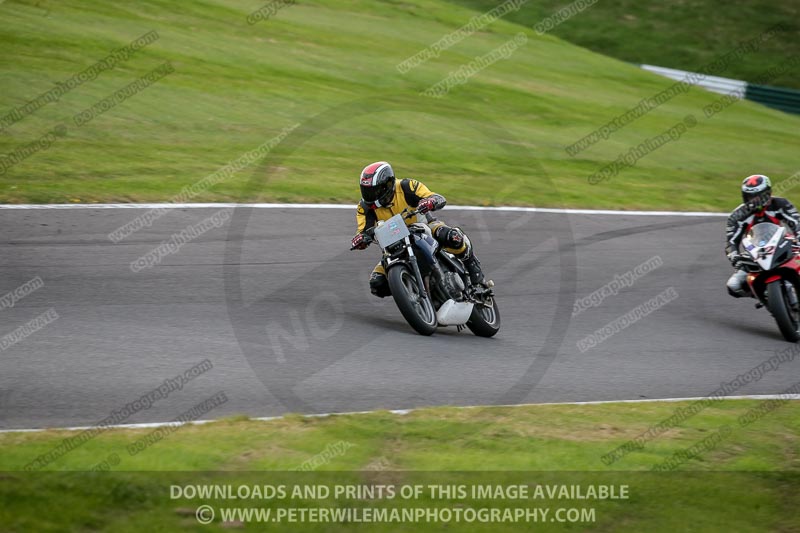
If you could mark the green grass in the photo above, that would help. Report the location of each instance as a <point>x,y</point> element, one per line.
<point>686,35</point>
<point>330,67</point>
<point>748,482</point>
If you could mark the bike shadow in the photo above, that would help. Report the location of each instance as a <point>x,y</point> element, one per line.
<point>753,329</point>
<point>399,325</point>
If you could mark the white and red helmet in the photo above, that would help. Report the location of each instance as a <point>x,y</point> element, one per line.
<point>377,184</point>
<point>756,191</point>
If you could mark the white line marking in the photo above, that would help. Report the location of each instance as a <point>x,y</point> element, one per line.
<point>401,412</point>
<point>353,206</point>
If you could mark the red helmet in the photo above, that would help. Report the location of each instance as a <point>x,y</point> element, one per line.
<point>756,191</point>
<point>377,184</point>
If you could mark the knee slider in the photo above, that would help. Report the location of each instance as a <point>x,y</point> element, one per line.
<point>451,237</point>
<point>736,293</point>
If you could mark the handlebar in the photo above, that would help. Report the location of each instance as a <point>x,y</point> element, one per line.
<point>408,213</point>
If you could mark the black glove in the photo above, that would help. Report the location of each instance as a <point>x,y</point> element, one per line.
<point>359,242</point>
<point>736,259</point>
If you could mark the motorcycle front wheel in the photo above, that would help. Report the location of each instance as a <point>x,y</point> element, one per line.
<point>485,320</point>
<point>417,311</point>
<point>779,303</point>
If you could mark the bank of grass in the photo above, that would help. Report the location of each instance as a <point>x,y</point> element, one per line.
<point>747,482</point>
<point>685,35</point>
<point>497,139</point>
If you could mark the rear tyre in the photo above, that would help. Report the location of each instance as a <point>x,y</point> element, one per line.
<point>418,312</point>
<point>787,316</point>
<point>484,320</point>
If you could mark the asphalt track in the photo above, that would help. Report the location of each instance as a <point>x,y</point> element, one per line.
<point>280,307</point>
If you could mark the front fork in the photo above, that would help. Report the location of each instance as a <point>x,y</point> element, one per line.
<point>792,295</point>
<point>423,293</point>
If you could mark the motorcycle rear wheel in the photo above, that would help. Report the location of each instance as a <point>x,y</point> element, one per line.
<point>778,304</point>
<point>419,313</point>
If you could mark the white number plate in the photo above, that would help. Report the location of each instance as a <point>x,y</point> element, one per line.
<point>391,231</point>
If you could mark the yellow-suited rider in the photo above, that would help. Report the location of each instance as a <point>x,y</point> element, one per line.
<point>383,196</point>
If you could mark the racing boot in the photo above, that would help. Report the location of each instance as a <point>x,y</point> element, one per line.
<point>379,285</point>
<point>473,266</point>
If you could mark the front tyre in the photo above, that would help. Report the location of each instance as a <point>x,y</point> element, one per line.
<point>780,304</point>
<point>485,320</point>
<point>417,311</point>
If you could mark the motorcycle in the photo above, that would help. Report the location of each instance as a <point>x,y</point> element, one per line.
<point>430,286</point>
<point>772,274</point>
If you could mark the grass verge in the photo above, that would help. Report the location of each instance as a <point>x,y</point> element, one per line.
<point>682,35</point>
<point>747,480</point>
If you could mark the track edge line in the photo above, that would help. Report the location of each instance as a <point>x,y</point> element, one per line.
<point>147,425</point>
<point>576,211</point>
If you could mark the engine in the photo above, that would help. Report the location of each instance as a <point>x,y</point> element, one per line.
<point>454,286</point>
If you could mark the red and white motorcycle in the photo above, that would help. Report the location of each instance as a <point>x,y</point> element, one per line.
<point>773,274</point>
